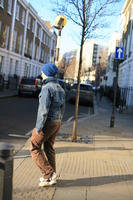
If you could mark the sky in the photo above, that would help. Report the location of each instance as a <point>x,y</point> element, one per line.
<point>70,39</point>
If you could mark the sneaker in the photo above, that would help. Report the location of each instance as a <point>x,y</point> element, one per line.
<point>48,182</point>
<point>53,177</point>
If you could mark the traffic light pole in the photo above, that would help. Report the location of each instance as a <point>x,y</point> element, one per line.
<point>112,120</point>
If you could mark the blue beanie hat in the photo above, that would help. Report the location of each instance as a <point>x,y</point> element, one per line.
<point>50,69</point>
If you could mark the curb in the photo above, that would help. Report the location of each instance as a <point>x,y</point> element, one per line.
<point>5,97</point>
<point>8,96</point>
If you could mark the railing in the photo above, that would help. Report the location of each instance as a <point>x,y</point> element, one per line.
<point>11,83</point>
<point>126,98</point>
<point>1,82</point>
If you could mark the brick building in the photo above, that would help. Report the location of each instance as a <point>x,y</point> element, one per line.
<point>26,43</point>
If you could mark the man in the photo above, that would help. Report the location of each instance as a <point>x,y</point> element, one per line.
<point>50,113</point>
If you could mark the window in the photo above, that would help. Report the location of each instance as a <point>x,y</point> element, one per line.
<point>20,44</point>
<point>25,70</point>
<point>41,57</point>
<point>29,21</point>
<point>33,26</point>
<point>33,70</point>
<point>14,40</point>
<point>26,46</point>
<point>23,17</point>
<point>10,7</point>
<point>1,63</point>
<point>37,52</point>
<point>40,33</point>
<point>16,67</point>
<point>31,47</point>
<point>7,37</point>
<point>10,67</point>
<point>29,71</point>
<point>17,12</point>
<point>44,35</point>
<point>2,3</point>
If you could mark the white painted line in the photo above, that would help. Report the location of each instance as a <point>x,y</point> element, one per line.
<point>29,133</point>
<point>23,156</point>
<point>19,136</point>
<point>70,119</point>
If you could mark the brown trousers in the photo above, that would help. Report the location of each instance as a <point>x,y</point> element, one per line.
<point>45,158</point>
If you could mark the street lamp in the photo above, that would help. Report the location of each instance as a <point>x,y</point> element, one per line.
<point>60,22</point>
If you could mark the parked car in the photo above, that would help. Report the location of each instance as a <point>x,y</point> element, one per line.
<point>62,83</point>
<point>30,86</point>
<point>86,94</point>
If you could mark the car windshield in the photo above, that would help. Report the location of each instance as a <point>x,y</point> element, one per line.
<point>28,81</point>
<point>83,87</point>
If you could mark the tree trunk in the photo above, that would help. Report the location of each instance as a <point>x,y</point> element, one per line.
<point>74,134</point>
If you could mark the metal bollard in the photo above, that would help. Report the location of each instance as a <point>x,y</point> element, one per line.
<point>6,171</point>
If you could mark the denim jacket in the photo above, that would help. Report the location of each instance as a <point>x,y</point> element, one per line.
<point>51,103</point>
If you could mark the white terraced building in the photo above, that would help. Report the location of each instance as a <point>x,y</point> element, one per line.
<point>26,43</point>
<point>126,68</point>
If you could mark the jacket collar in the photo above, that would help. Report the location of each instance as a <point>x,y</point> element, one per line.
<point>49,79</point>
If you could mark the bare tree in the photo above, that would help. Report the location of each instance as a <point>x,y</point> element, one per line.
<point>89,15</point>
<point>67,65</point>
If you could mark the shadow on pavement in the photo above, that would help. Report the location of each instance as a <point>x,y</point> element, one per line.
<point>95,181</point>
<point>60,150</point>
<point>83,149</point>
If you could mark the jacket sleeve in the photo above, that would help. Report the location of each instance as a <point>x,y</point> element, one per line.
<point>43,109</point>
<point>63,105</point>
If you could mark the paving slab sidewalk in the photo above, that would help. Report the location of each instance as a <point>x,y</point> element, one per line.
<point>101,168</point>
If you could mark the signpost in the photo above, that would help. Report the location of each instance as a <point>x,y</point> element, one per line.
<point>119,55</point>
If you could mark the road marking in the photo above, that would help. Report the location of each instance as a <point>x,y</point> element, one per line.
<point>19,136</point>
<point>23,156</point>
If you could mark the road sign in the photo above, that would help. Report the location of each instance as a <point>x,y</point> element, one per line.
<point>119,53</point>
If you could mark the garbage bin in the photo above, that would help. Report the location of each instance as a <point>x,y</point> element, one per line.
<point>6,171</point>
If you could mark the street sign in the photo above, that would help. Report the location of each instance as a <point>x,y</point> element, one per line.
<point>119,53</point>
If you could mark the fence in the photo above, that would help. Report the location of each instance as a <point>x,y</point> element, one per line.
<point>13,82</point>
<point>126,98</point>
<point>1,82</point>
